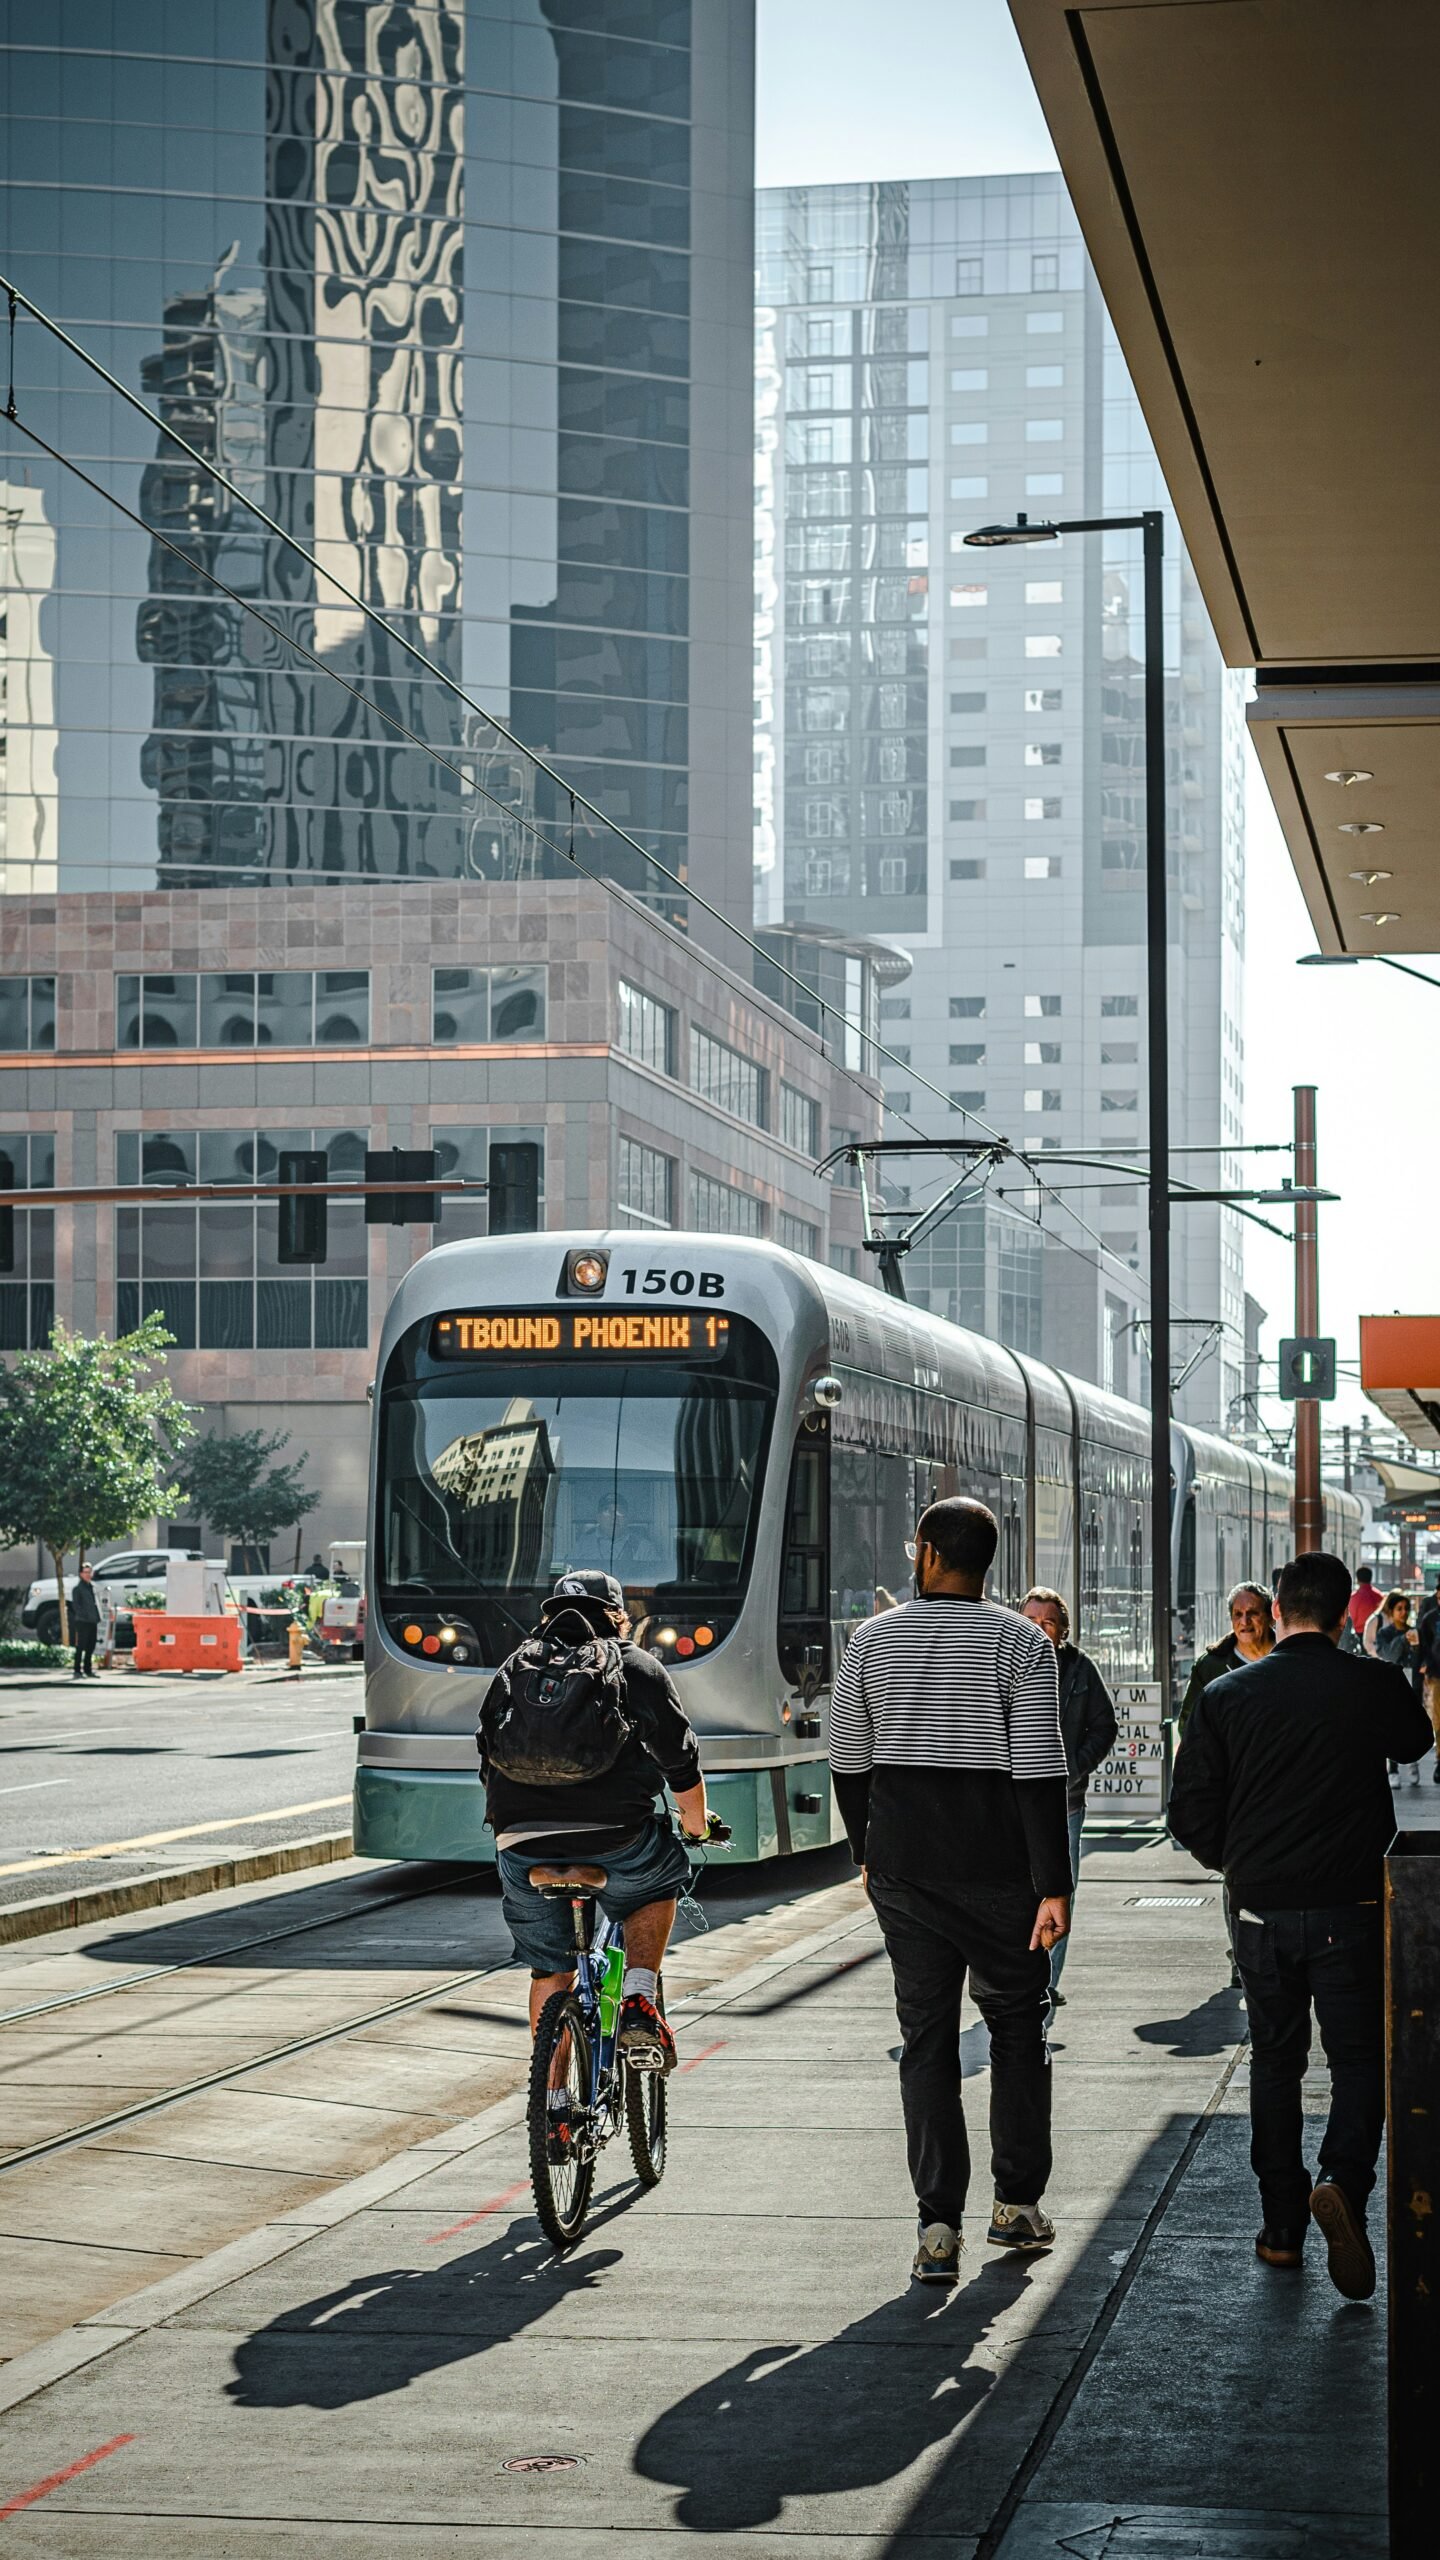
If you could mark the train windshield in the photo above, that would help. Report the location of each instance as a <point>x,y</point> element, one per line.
<point>497,1474</point>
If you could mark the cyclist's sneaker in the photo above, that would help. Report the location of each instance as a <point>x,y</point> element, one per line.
<point>644,2038</point>
<point>559,2125</point>
<point>937,2260</point>
<point>1020,2226</point>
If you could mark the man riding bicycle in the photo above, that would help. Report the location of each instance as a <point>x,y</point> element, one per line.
<point>602,1820</point>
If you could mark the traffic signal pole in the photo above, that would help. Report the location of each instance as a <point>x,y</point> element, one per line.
<point>1309,1504</point>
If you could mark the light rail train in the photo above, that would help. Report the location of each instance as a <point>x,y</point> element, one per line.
<point>745,1440</point>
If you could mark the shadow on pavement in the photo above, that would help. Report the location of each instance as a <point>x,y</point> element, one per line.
<point>1215,2027</point>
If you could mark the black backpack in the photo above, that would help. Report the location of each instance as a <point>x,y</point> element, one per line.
<point>554,1715</point>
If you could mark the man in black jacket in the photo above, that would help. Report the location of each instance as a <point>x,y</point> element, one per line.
<point>84,1625</point>
<point>1087,1729</point>
<point>606,1824</point>
<point>1281,1781</point>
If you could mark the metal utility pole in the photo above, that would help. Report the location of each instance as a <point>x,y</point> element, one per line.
<point>1309,1505</point>
<point>1157,986</point>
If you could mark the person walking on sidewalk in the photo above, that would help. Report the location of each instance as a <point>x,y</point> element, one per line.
<point>1281,1783</point>
<point>1252,1633</point>
<point>1087,1729</point>
<point>1398,1642</point>
<point>84,1624</point>
<point>1427,1654</point>
<point>951,1779</point>
<point>1364,1599</point>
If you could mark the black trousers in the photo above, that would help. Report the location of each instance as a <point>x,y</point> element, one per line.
<point>83,1638</point>
<point>1333,1959</point>
<point>935,1934</point>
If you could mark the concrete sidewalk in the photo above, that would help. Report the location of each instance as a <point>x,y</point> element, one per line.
<point>740,2355</point>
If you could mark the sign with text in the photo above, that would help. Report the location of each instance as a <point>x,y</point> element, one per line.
<point>1133,1772</point>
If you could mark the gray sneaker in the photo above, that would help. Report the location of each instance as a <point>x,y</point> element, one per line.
<point>937,2260</point>
<point>1020,2226</point>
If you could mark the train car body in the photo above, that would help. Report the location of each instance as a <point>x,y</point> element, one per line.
<point>746,1440</point>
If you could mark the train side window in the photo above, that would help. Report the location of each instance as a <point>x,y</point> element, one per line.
<point>804,1564</point>
<point>1185,1577</point>
<point>852,1551</point>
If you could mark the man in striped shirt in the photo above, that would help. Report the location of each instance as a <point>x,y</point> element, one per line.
<point>950,1776</point>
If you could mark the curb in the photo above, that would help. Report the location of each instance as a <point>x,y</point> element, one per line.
<point>35,1919</point>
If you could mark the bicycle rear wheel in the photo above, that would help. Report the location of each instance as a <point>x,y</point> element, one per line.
<point>560,2070</point>
<point>645,2115</point>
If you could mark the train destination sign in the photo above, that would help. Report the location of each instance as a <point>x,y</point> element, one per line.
<point>571,1332</point>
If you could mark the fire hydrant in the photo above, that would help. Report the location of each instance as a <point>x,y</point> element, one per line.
<point>297,1644</point>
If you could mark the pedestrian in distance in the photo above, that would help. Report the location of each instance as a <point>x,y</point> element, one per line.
<point>1252,1633</point>
<point>1364,1599</point>
<point>1087,1729</point>
<point>1427,1655</point>
<point>1397,1642</point>
<point>1281,1784</point>
<point>84,1624</point>
<point>578,1732</point>
<point>951,1779</point>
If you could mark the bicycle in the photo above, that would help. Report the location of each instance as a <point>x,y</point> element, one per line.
<point>583,2087</point>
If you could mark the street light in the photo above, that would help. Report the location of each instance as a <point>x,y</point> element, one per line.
<point>1151,526</point>
<point>1352,960</point>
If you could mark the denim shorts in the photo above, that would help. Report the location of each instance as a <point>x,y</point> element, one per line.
<point>653,1867</point>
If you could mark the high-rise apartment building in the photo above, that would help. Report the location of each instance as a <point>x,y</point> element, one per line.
<point>949,744</point>
<point>460,293</point>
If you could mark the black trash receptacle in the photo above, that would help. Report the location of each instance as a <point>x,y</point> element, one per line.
<point>1412,2126</point>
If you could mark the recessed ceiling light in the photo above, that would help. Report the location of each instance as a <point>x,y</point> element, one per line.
<point>1370,878</point>
<point>1363,827</point>
<point>1385,915</point>
<point>1346,774</point>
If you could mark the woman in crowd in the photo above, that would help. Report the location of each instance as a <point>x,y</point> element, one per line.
<point>1397,1641</point>
<point>1087,1729</point>
<point>1251,1637</point>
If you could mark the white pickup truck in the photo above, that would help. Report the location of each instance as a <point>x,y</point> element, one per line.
<point>132,1569</point>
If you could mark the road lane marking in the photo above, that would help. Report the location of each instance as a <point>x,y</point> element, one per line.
<point>159,1839</point>
<point>58,2479</point>
<point>29,1786</point>
<point>495,2205</point>
<point>704,2054</point>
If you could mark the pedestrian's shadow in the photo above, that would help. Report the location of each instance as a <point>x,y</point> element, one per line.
<point>825,2421</point>
<point>383,2331</point>
<point>1214,2027</point>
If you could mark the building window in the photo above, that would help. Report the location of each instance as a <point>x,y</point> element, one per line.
<point>1042,644</point>
<point>967,1008</point>
<point>213,1272</point>
<point>1040,810</point>
<point>718,1208</point>
<point>971,1098</point>
<point>1043,1006</point>
<point>645,1185</point>
<point>721,1075</point>
<point>968,486</point>
<point>1119,1101</point>
<point>820,284</point>
<point>1044,591</point>
<point>1043,698</point>
<point>1042,1098</point>
<point>1042,1053</point>
<point>1120,1053</point>
<point>1044,324</point>
<point>27,1291</point>
<point>1044,377</point>
<point>967,870</point>
<point>1044,430</point>
<point>799,1120</point>
<point>967,755</point>
<point>892,875</point>
<point>969,275</point>
<point>27,1013</point>
<point>970,324</point>
<point>899,1101</point>
<point>1045,271</point>
<point>1042,751</point>
<point>969,431</point>
<point>472,1007</point>
<point>1114,1008</point>
<point>971,378</point>
<point>244,1009</point>
<point>967,1053</point>
<point>798,1236</point>
<point>827,875</point>
<point>967,813</point>
<point>897,1053</point>
<point>646,1028</point>
<point>894,1008</point>
<point>1044,484</point>
<point>965,702</point>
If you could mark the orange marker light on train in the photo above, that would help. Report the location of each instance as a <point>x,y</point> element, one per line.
<point>704,1635</point>
<point>411,1634</point>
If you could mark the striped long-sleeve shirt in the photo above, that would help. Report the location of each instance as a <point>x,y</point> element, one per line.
<point>945,1746</point>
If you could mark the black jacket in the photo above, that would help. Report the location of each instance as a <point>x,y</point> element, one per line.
<point>1281,1778</point>
<point>1428,1630</point>
<point>1087,1719</point>
<point>84,1605</point>
<point>662,1747</point>
<point>1222,1657</point>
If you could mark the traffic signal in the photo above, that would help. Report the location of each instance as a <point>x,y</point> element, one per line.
<point>7,1215</point>
<point>515,1189</point>
<point>401,1208</point>
<point>1307,1368</point>
<point>304,1224</point>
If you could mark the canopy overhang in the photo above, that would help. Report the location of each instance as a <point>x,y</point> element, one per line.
<point>1398,1354</point>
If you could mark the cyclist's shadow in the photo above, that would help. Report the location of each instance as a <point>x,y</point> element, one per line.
<point>785,2423</point>
<point>383,2331</point>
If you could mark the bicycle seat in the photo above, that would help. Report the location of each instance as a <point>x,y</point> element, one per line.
<point>568,1881</point>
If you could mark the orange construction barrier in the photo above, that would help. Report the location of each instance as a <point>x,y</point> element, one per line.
<point>163,1643</point>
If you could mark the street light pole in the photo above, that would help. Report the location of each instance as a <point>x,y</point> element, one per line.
<point>1151,527</point>
<point>1309,1511</point>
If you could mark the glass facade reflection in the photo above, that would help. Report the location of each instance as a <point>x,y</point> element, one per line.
<point>425,279</point>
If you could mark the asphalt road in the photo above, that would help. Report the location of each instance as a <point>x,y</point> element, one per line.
<point>233,1764</point>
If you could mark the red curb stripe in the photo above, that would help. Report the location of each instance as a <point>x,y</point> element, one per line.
<point>58,2479</point>
<point>704,2054</point>
<point>494,2206</point>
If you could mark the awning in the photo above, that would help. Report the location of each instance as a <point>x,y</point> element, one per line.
<point>1400,1373</point>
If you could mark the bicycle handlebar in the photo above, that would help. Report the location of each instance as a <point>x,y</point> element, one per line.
<point>716,1834</point>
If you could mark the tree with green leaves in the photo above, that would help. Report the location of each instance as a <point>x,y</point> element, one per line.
<point>88,1443</point>
<point>234,1489</point>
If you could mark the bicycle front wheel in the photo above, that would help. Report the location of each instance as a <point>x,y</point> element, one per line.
<point>562,2170</point>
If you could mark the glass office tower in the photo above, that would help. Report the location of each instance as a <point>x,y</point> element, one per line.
<point>459,291</point>
<point>950,749</point>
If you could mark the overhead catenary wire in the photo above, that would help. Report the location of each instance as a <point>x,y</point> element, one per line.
<point>19,300</point>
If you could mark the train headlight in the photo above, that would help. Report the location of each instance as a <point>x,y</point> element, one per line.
<point>826,1392</point>
<point>586,1273</point>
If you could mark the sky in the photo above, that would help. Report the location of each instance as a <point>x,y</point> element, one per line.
<point>948,94</point>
